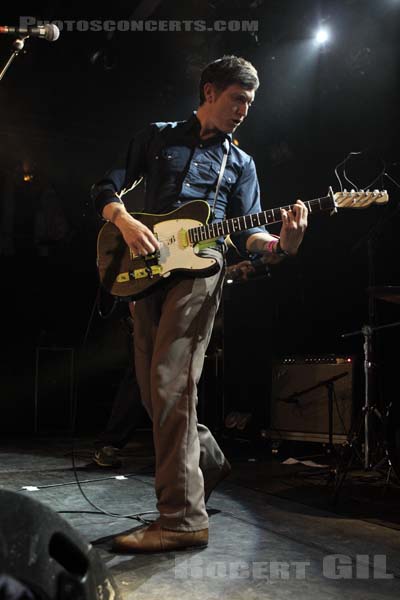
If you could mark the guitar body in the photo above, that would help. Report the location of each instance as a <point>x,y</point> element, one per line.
<point>133,277</point>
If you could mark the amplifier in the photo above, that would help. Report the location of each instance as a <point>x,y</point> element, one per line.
<point>299,408</point>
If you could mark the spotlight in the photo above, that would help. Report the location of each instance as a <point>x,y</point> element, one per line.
<point>321,36</point>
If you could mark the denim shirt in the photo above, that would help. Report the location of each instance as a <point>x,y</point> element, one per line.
<point>180,167</point>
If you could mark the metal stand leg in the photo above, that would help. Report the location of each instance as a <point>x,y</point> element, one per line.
<point>367,333</point>
<point>356,437</point>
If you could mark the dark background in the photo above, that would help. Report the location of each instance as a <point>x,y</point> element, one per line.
<point>67,112</point>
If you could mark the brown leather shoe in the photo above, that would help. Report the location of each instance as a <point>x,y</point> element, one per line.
<point>214,477</point>
<point>154,538</point>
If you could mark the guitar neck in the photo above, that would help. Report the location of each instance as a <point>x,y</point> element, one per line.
<point>266,217</point>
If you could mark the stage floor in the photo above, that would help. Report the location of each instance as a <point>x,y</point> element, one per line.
<point>273,534</point>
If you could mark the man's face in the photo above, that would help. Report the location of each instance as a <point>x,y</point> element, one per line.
<point>228,109</point>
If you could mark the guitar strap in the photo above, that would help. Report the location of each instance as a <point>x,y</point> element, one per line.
<point>167,136</point>
<point>226,146</point>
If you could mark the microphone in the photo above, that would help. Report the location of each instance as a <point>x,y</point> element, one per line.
<point>48,32</point>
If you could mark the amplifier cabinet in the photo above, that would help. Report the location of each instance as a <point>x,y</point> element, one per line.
<point>299,408</point>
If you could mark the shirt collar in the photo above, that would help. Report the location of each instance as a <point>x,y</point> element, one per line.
<point>193,125</point>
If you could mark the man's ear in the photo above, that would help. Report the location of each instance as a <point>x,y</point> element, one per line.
<point>210,92</point>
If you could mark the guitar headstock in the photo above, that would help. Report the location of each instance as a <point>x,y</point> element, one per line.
<point>360,199</point>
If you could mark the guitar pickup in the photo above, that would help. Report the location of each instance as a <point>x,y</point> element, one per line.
<point>183,239</point>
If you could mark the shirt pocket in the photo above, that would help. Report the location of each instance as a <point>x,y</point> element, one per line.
<point>229,178</point>
<point>206,171</point>
<point>171,160</point>
<point>230,175</point>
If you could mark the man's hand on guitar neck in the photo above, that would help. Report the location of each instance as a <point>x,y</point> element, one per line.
<point>137,236</point>
<point>274,249</point>
<point>294,225</point>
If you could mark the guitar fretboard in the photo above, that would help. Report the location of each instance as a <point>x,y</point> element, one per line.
<point>266,217</point>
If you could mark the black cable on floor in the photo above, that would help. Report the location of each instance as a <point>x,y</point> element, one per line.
<point>136,516</point>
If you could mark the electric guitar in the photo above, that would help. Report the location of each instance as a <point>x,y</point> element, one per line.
<point>183,232</point>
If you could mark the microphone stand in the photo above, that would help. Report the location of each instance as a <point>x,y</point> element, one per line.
<point>362,430</point>
<point>18,46</point>
<point>329,384</point>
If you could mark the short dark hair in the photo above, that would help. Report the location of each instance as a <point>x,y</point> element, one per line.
<point>229,70</point>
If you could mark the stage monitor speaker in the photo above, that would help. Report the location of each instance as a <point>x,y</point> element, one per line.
<point>46,555</point>
<point>300,399</point>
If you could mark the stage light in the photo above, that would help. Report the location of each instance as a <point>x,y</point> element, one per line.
<point>321,36</point>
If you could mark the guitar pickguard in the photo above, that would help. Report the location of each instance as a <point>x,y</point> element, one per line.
<point>176,252</point>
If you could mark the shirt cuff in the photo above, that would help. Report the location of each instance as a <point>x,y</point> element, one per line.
<point>103,198</point>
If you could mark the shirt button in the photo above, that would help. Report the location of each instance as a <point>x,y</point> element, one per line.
<point>196,163</point>
<point>187,184</point>
<point>200,145</point>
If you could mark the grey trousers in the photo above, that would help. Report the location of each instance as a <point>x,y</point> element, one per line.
<point>172,331</point>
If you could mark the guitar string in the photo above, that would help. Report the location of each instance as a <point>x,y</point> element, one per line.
<point>169,235</point>
<point>265,213</point>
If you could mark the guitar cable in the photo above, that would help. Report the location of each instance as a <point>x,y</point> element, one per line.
<point>343,163</point>
<point>99,510</point>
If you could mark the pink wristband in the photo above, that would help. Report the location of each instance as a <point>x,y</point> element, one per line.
<point>271,245</point>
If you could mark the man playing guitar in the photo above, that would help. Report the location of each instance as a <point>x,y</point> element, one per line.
<point>181,161</point>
